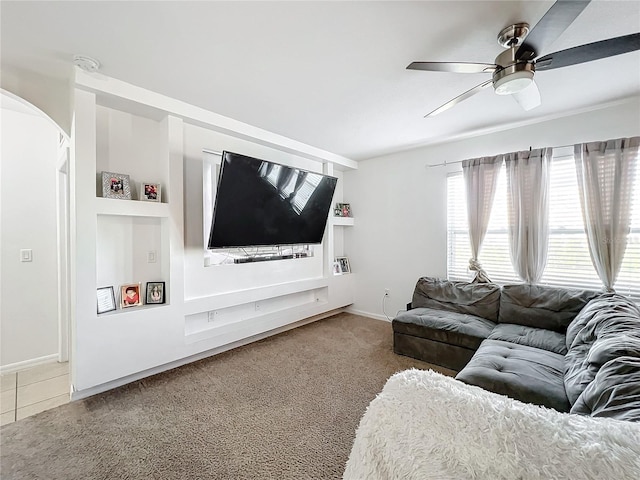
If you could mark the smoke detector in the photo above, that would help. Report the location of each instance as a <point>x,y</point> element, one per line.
<point>85,63</point>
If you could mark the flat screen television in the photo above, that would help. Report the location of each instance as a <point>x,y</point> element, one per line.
<point>260,203</point>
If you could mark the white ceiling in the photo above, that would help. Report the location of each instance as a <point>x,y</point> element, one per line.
<point>329,74</point>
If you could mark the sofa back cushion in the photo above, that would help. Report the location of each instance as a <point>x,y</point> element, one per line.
<point>479,299</point>
<point>542,307</point>
<point>608,328</point>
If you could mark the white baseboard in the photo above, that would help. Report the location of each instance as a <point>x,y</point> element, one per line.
<point>375,316</point>
<point>16,367</point>
<point>88,392</point>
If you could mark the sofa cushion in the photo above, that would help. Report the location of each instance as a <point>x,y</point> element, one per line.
<point>614,392</point>
<point>542,307</point>
<point>606,328</point>
<point>479,299</point>
<point>525,373</point>
<point>609,348</point>
<point>578,372</point>
<point>430,351</point>
<point>609,313</point>
<point>530,336</point>
<point>443,326</point>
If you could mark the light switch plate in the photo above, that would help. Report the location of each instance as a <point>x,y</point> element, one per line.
<point>26,255</point>
<point>151,256</point>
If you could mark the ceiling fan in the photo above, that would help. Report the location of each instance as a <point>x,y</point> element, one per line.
<point>514,69</point>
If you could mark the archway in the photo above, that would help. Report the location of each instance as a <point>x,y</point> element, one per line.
<point>34,261</point>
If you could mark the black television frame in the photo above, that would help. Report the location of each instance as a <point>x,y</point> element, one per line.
<point>326,191</point>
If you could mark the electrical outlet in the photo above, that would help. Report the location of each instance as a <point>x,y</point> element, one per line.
<point>212,316</point>
<point>387,292</point>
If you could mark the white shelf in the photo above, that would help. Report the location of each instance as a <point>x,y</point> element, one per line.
<point>229,299</point>
<point>343,221</point>
<point>138,309</point>
<point>132,208</point>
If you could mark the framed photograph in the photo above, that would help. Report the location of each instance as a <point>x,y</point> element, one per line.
<point>344,264</point>
<point>130,295</point>
<point>116,185</point>
<point>106,300</point>
<point>336,268</point>
<point>342,210</point>
<point>155,293</point>
<point>150,192</point>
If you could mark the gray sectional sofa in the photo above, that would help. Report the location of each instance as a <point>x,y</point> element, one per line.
<point>571,350</point>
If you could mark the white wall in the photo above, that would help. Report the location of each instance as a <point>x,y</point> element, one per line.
<point>51,95</point>
<point>400,205</point>
<point>29,302</point>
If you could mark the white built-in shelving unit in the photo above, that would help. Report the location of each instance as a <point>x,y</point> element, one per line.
<point>123,129</point>
<point>343,221</point>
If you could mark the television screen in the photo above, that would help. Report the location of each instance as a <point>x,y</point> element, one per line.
<point>262,203</point>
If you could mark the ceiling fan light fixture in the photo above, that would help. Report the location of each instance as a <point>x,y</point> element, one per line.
<point>513,83</point>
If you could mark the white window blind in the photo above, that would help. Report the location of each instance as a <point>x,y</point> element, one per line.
<point>568,262</point>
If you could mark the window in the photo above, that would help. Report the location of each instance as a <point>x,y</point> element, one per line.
<point>568,259</point>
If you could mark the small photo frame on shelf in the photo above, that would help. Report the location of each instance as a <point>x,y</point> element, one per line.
<point>155,293</point>
<point>150,192</point>
<point>345,267</point>
<point>130,295</point>
<point>106,300</point>
<point>342,210</point>
<point>116,185</point>
<point>336,268</point>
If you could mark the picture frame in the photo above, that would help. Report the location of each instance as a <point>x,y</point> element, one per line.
<point>106,300</point>
<point>116,185</point>
<point>345,266</point>
<point>342,210</point>
<point>155,293</point>
<point>150,192</point>
<point>130,295</point>
<point>336,268</point>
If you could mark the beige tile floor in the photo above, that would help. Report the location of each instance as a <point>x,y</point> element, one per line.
<point>32,391</point>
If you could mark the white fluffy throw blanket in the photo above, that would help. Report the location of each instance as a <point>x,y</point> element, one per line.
<point>426,426</point>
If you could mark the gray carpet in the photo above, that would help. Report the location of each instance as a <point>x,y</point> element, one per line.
<point>283,408</point>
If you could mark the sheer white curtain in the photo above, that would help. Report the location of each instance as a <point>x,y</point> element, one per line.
<point>481,180</point>
<point>606,172</point>
<point>528,209</point>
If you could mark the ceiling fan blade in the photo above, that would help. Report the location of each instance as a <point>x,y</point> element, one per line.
<point>459,98</point>
<point>529,98</point>
<point>589,52</point>
<point>454,67</point>
<point>550,27</point>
